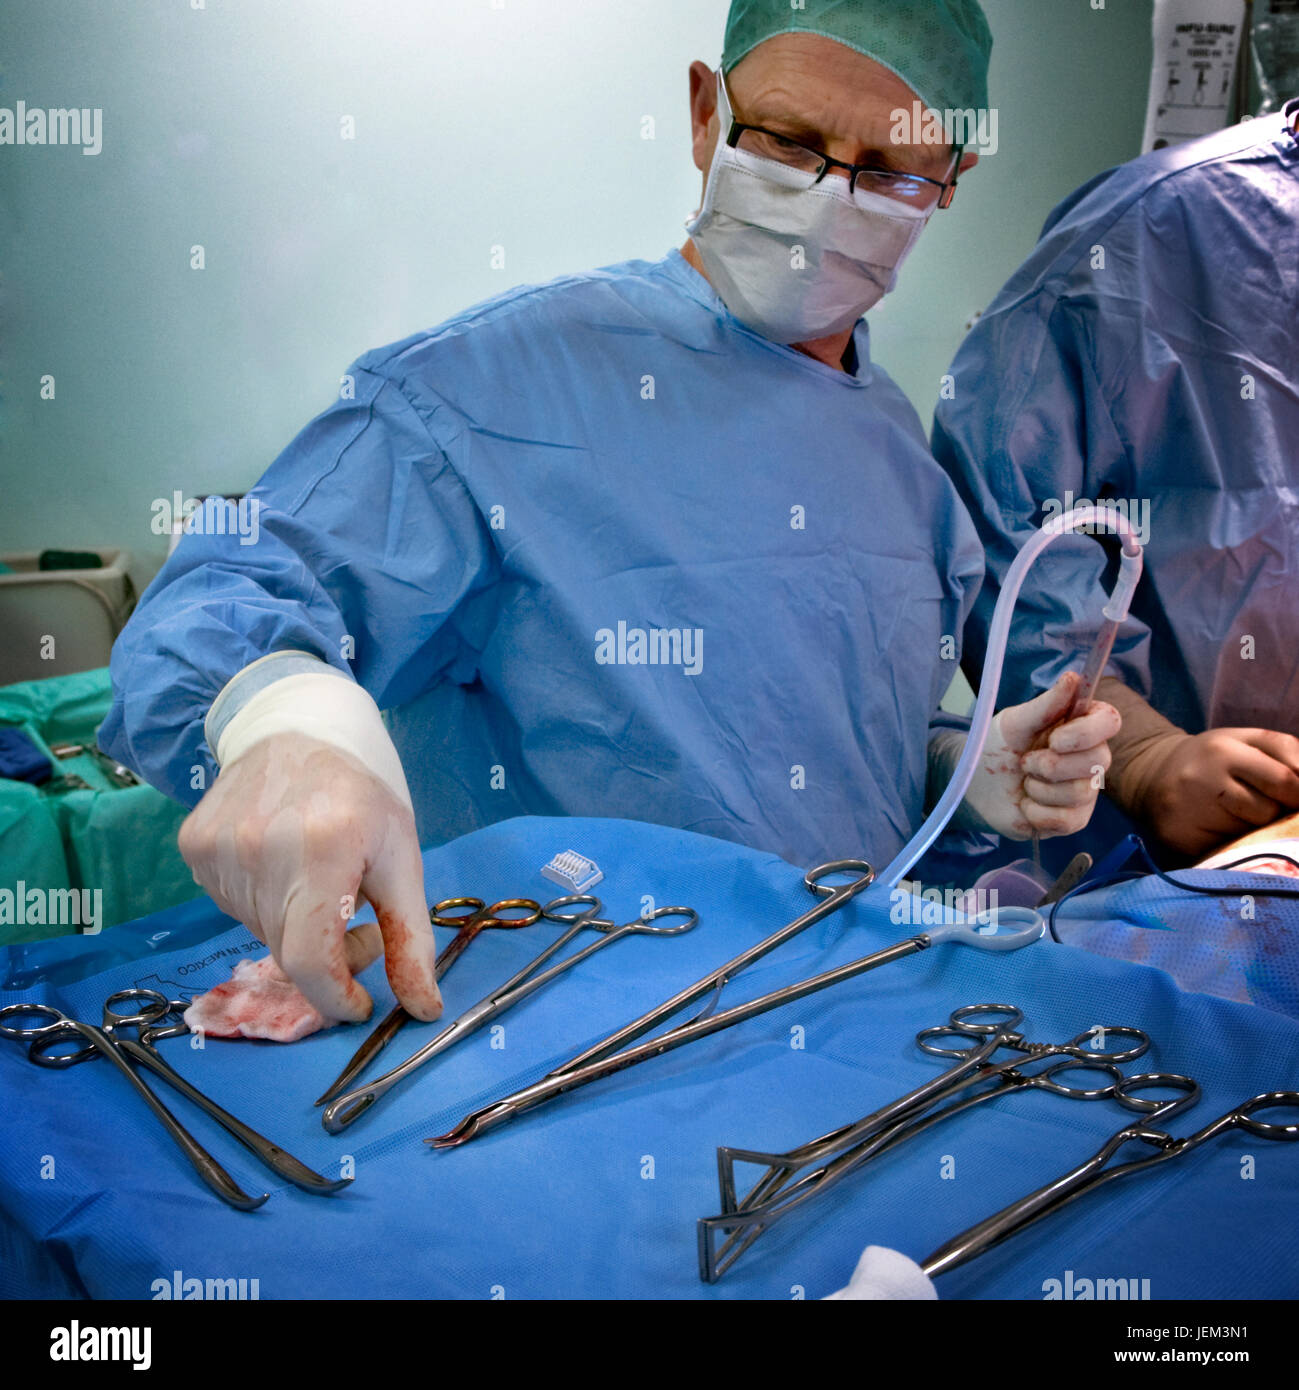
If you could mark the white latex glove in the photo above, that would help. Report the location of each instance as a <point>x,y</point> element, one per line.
<point>1030,783</point>
<point>295,833</point>
<point>887,1274</point>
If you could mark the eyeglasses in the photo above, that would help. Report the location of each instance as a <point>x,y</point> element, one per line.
<point>915,189</point>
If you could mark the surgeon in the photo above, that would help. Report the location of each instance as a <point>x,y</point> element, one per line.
<point>656,541</point>
<point>1147,356</point>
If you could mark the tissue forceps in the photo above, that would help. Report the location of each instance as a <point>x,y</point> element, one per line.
<point>1094,1173</point>
<point>603,1059</point>
<point>844,1150</point>
<point>151,1021</point>
<point>468,925</point>
<point>342,1111</point>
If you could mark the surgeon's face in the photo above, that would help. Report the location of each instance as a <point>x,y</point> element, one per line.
<point>821,94</point>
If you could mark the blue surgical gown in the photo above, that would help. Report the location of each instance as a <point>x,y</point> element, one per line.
<point>480,531</point>
<point>1148,351</point>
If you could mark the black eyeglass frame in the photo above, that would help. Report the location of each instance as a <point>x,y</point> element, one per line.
<point>947,187</point>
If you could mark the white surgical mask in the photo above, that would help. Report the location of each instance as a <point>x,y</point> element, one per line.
<point>795,263</point>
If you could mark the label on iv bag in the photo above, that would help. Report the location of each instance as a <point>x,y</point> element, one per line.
<point>1193,79</point>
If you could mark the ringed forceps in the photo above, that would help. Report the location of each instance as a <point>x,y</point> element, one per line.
<point>151,1022</point>
<point>468,926</point>
<point>345,1108</point>
<point>604,1058</point>
<point>841,1152</point>
<point>1094,1173</point>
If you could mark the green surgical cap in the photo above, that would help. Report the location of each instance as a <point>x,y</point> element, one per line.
<point>939,48</point>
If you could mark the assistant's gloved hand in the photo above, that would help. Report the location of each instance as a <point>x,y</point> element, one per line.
<point>295,830</point>
<point>1034,778</point>
<point>1195,791</point>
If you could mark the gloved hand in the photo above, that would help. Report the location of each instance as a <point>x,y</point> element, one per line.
<point>1195,791</point>
<point>291,835</point>
<point>1034,778</point>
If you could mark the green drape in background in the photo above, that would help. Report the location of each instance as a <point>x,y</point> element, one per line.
<point>118,840</point>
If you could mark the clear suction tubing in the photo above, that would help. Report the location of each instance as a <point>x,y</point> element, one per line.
<point>1103,520</point>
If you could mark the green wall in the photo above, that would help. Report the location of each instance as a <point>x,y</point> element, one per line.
<point>477,125</point>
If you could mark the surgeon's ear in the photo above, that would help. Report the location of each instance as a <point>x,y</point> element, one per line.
<point>968,161</point>
<point>703,114</point>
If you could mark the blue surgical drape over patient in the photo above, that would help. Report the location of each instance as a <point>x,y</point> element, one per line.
<point>1148,352</point>
<point>599,550</point>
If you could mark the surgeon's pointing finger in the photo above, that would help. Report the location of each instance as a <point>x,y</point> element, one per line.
<point>394,884</point>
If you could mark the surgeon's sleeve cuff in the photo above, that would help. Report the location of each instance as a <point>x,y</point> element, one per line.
<point>243,685</point>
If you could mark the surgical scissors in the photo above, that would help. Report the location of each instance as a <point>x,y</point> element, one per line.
<point>604,1060</point>
<point>150,1020</point>
<point>468,926</point>
<point>1094,1173</point>
<point>844,1150</point>
<point>346,1108</point>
